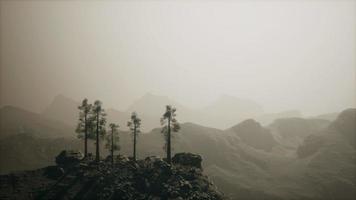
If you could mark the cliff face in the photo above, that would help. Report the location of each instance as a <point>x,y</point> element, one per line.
<point>151,178</point>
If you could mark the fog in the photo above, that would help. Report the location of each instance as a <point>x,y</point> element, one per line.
<point>281,54</point>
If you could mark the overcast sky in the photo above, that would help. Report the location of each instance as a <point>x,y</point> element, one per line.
<point>282,54</point>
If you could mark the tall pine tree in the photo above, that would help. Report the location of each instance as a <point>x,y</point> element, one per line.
<point>169,123</point>
<point>99,118</point>
<point>112,140</point>
<point>83,124</point>
<point>134,126</point>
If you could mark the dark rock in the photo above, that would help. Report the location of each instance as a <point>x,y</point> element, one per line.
<point>69,157</point>
<point>53,172</point>
<point>187,159</point>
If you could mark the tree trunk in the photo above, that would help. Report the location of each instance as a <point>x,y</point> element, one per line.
<point>169,141</point>
<point>134,151</point>
<point>112,146</point>
<point>85,136</point>
<point>97,158</point>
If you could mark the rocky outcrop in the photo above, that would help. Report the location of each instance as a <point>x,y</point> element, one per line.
<point>148,179</point>
<point>69,157</point>
<point>187,159</point>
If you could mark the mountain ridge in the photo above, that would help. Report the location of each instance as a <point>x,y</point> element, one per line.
<point>15,120</point>
<point>225,112</point>
<point>233,163</point>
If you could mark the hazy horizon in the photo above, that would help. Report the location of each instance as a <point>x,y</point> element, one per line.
<point>197,108</point>
<point>283,55</point>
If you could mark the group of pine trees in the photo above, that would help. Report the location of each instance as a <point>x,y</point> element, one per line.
<point>92,126</point>
<point>92,121</point>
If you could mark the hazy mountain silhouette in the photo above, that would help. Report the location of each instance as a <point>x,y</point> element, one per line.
<point>330,159</point>
<point>237,163</point>
<point>223,113</point>
<point>15,120</point>
<point>235,166</point>
<point>292,131</point>
<point>345,124</point>
<point>119,117</point>
<point>63,109</point>
<point>27,151</point>
<point>29,140</point>
<point>327,116</point>
<point>268,118</point>
<point>253,134</point>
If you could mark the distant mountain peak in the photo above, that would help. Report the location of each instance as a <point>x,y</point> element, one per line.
<point>62,108</point>
<point>253,134</point>
<point>248,123</point>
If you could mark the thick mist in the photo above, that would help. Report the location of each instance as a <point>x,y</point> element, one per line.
<point>282,54</point>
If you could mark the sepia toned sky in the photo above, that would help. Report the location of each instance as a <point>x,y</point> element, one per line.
<point>282,54</point>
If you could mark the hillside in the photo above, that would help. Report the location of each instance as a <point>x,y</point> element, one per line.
<point>330,159</point>
<point>29,140</point>
<point>28,152</point>
<point>291,131</point>
<point>252,133</point>
<point>15,120</point>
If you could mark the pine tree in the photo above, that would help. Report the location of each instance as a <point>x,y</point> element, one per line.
<point>169,123</point>
<point>99,118</point>
<point>83,124</point>
<point>112,140</point>
<point>134,126</point>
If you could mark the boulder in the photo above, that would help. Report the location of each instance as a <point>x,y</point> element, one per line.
<point>187,159</point>
<point>69,157</point>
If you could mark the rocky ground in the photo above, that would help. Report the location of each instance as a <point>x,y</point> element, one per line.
<point>151,178</point>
